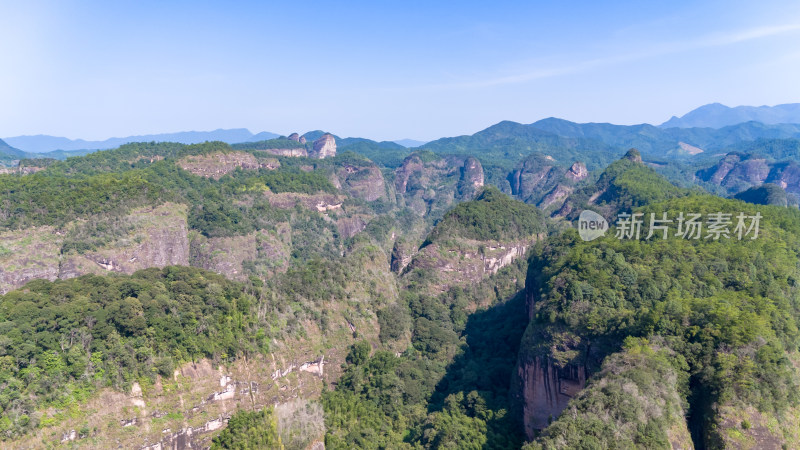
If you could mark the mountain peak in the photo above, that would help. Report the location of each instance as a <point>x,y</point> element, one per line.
<point>633,155</point>
<point>717,115</point>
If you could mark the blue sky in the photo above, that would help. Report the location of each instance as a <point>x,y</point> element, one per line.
<point>383,70</point>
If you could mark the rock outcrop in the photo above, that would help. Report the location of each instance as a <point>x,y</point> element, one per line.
<point>361,181</point>
<point>737,172</point>
<point>468,261</point>
<point>539,181</point>
<point>295,152</point>
<point>157,237</point>
<point>224,255</point>
<point>546,390</point>
<point>29,254</point>
<point>402,254</point>
<point>294,137</point>
<point>216,165</point>
<point>324,147</point>
<point>433,184</point>
<point>577,172</point>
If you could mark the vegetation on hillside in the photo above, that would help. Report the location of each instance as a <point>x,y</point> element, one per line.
<point>491,216</point>
<point>451,388</point>
<point>727,307</point>
<point>59,341</point>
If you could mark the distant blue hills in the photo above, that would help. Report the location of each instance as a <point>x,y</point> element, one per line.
<point>43,143</point>
<point>716,115</point>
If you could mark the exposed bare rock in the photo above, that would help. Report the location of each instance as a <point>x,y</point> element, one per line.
<point>556,196</point>
<point>324,147</point>
<point>21,170</point>
<point>634,156</point>
<point>28,254</point>
<point>402,254</point>
<point>215,165</point>
<point>159,239</point>
<point>302,139</point>
<point>468,261</point>
<point>538,180</point>
<point>364,182</point>
<point>690,149</point>
<point>737,172</point>
<point>294,137</point>
<point>471,177</point>
<point>577,172</point>
<point>224,255</point>
<point>432,186</point>
<point>296,152</point>
<point>316,202</point>
<point>546,390</point>
<point>350,226</point>
<point>765,430</point>
<point>717,173</point>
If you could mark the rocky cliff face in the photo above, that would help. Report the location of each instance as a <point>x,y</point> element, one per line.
<point>737,172</point>
<point>546,390</point>
<point>363,181</point>
<point>324,147</point>
<point>287,151</point>
<point>402,253</point>
<point>432,185</point>
<point>157,237</point>
<point>577,172</point>
<point>216,165</point>
<point>472,178</point>
<point>187,410</point>
<point>539,181</point>
<point>462,260</point>
<point>350,226</point>
<point>224,255</point>
<point>29,254</point>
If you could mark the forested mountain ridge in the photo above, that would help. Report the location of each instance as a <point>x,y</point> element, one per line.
<point>424,299</point>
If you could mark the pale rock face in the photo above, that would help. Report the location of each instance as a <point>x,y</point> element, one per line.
<point>302,139</point>
<point>325,146</point>
<point>473,172</point>
<point>287,151</point>
<point>294,137</point>
<point>577,171</point>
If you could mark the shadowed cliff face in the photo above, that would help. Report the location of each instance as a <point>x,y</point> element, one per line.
<point>432,185</point>
<point>540,181</point>
<point>546,391</point>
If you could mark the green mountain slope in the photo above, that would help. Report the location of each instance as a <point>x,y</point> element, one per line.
<point>727,308</point>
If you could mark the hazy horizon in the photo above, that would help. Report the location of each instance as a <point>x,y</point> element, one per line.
<point>93,71</point>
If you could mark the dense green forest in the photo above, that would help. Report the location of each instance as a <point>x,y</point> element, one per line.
<point>60,341</point>
<point>723,313</point>
<point>492,216</point>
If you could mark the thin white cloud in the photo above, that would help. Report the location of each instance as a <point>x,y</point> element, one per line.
<point>713,40</point>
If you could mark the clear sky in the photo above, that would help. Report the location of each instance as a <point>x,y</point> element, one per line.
<point>383,70</point>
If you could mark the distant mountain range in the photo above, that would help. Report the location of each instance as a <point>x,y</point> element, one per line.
<point>716,115</point>
<point>43,143</point>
